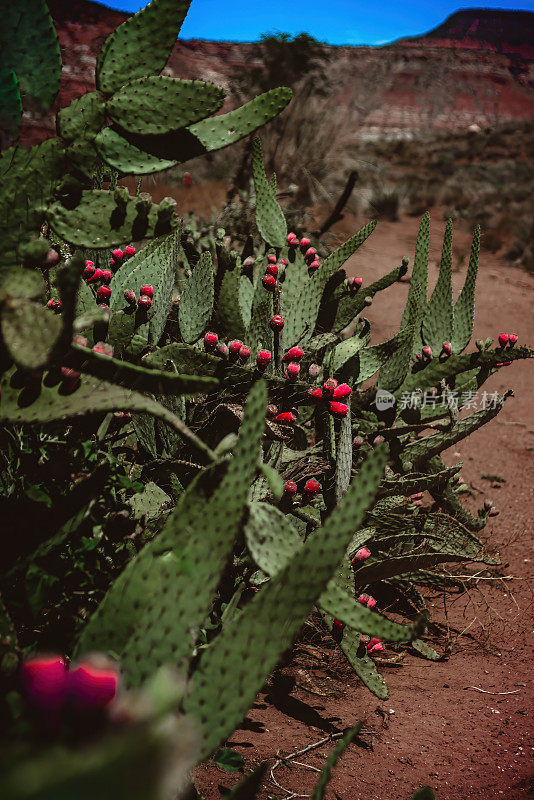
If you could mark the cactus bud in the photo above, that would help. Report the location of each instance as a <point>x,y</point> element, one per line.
<point>234,347</point>
<point>89,269</point>
<point>329,386</point>
<point>304,242</point>
<point>103,295</point>
<point>291,239</point>
<point>446,348</point>
<point>354,283</point>
<point>210,340</point>
<point>338,410</point>
<point>362,555</point>
<point>378,440</point>
<point>263,359</point>
<point>276,322</point>
<point>284,262</point>
<point>272,269</point>
<point>314,265</point>
<point>292,371</point>
<point>272,411</point>
<point>44,682</point>
<point>357,441</point>
<point>312,488</point>
<point>147,290</point>
<point>96,276</point>
<point>269,282</point>
<point>503,339</point>
<point>293,354</point>
<point>92,687</point>
<point>493,512</point>
<point>479,344</point>
<point>81,341</point>
<point>290,488</point>
<point>129,251</point>
<point>118,255</point>
<point>310,254</point>
<point>221,350</point>
<point>337,626</point>
<point>314,370</point>
<point>129,296</point>
<point>376,648</point>
<point>315,394</point>
<point>417,496</point>
<point>104,348</point>
<point>427,352</point>
<point>341,391</point>
<point>244,354</point>
<point>285,418</point>
<point>512,339</point>
<point>271,258</point>
<point>488,504</point>
<point>144,302</point>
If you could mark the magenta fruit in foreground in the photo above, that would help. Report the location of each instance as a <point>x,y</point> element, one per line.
<point>210,340</point>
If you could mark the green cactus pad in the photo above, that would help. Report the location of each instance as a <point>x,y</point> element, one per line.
<point>101,221</point>
<point>10,103</point>
<point>464,308</point>
<point>23,283</point>
<point>270,538</point>
<point>125,157</point>
<point>158,105</point>
<point>141,45</point>
<point>249,646</point>
<point>377,357</point>
<point>349,306</point>
<point>417,294</point>
<point>19,317</point>
<point>196,301</point>
<point>438,319</point>
<point>270,219</point>
<point>82,119</point>
<point>29,46</point>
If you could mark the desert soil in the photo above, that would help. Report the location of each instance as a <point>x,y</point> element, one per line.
<point>436,728</point>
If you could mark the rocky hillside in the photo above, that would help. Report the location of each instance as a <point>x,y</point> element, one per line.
<point>477,68</point>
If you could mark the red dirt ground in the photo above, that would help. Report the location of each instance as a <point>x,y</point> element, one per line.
<point>435,728</point>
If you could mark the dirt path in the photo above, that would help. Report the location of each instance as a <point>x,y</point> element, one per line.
<point>440,732</point>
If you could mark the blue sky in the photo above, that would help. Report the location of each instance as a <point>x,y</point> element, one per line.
<point>333,21</point>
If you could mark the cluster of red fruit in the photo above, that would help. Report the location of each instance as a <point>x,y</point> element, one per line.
<point>311,490</point>
<point>507,339</point>
<point>50,687</point>
<point>95,275</point>
<point>332,393</point>
<point>426,352</point>
<point>309,253</point>
<point>271,272</point>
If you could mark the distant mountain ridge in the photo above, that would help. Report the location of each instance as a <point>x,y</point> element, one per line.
<point>477,67</point>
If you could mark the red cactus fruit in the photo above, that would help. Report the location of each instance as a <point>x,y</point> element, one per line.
<point>314,370</point>
<point>284,262</point>
<point>272,269</point>
<point>44,682</point>
<point>329,386</point>
<point>315,394</point>
<point>129,296</point>
<point>512,339</point>
<point>263,358</point>
<point>187,180</point>
<point>446,348</point>
<point>210,340</point>
<point>269,282</point>
<point>292,371</point>
<point>378,440</point>
<point>362,554</point>
<point>106,276</point>
<point>305,242</point>
<point>312,487</point>
<point>503,339</point>
<point>362,599</point>
<point>88,269</point>
<point>292,239</point>
<point>427,352</point>
<point>221,350</point>
<point>310,254</point>
<point>271,258</point>
<point>144,302</point>
<point>293,354</point>
<point>417,496</point>
<point>357,441</point>
<point>314,265</point>
<point>376,648</point>
<point>285,417</point>
<point>147,290</point>
<point>337,625</point>
<point>118,255</point>
<point>53,304</point>
<point>493,512</point>
<point>277,322</point>
<point>129,251</point>
<point>92,687</point>
<point>371,603</point>
<point>338,410</point>
<point>81,341</point>
<point>103,294</point>
<point>234,347</point>
<point>52,257</point>
<point>244,353</point>
<point>96,276</point>
<point>354,283</point>
<point>104,348</point>
<point>341,391</point>
<point>290,488</point>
